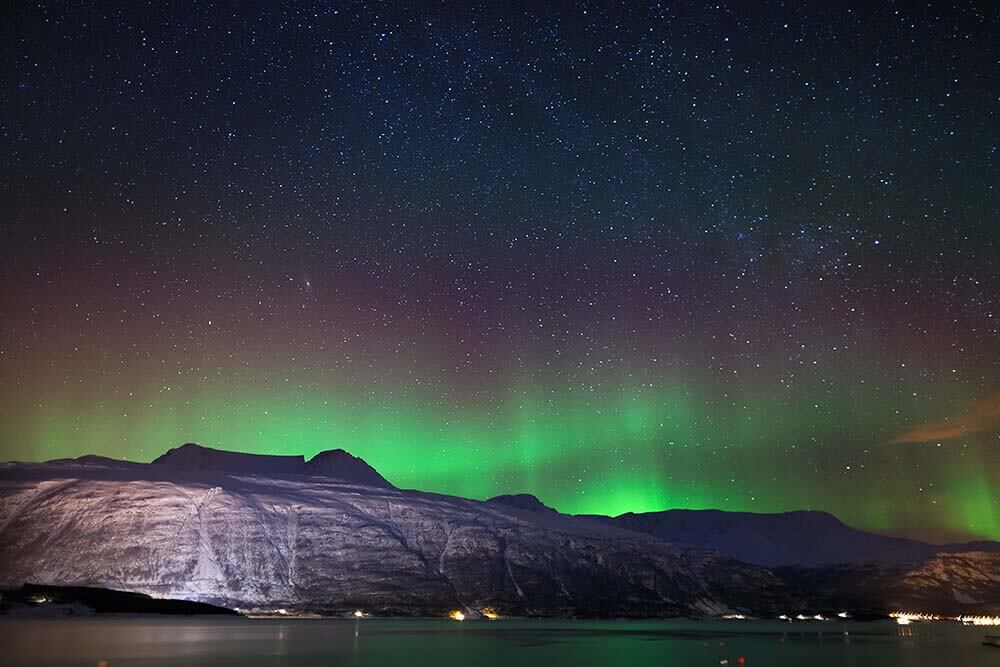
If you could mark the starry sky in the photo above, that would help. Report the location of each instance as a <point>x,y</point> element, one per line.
<point>626,257</point>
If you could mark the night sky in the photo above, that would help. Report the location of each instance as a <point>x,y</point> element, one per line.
<point>740,256</point>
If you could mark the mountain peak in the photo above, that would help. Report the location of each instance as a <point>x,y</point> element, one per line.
<point>333,463</point>
<point>521,501</point>
<point>342,465</point>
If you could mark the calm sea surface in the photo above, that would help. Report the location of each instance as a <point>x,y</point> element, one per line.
<point>513,643</point>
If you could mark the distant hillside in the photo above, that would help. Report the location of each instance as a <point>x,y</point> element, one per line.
<point>792,538</point>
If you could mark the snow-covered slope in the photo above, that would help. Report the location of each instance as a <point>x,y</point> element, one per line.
<point>306,542</point>
<point>332,535</point>
<point>970,579</point>
<point>791,538</point>
<point>946,583</point>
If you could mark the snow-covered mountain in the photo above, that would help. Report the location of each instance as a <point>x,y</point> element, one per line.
<point>245,531</point>
<point>946,583</point>
<point>808,538</point>
<point>332,535</point>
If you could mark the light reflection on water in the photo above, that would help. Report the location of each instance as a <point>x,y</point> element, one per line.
<point>167,641</point>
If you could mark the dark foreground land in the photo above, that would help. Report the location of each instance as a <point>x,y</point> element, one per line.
<point>79,600</point>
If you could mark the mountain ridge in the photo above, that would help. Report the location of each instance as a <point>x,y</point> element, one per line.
<point>333,463</point>
<point>772,539</point>
<point>798,537</point>
<point>315,544</point>
<point>255,538</point>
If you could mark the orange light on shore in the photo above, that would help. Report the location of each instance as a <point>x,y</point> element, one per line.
<point>980,620</point>
<point>908,617</point>
<point>456,616</point>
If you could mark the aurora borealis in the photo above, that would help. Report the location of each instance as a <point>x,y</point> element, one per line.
<point>741,256</point>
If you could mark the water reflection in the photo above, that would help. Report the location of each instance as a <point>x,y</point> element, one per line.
<point>161,642</point>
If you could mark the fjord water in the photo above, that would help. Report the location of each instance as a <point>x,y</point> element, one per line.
<point>163,641</point>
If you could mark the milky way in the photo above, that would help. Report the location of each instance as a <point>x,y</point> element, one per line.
<point>740,255</point>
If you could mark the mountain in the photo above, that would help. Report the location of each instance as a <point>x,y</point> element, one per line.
<point>331,535</point>
<point>259,536</point>
<point>334,463</point>
<point>808,538</point>
<point>195,457</point>
<point>521,501</point>
<point>338,464</point>
<point>945,583</point>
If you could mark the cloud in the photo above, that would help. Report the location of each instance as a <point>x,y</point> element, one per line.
<point>982,416</point>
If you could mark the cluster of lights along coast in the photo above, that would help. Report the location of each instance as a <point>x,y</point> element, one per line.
<point>623,259</point>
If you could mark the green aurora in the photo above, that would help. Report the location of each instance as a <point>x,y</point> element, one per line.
<point>616,447</point>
